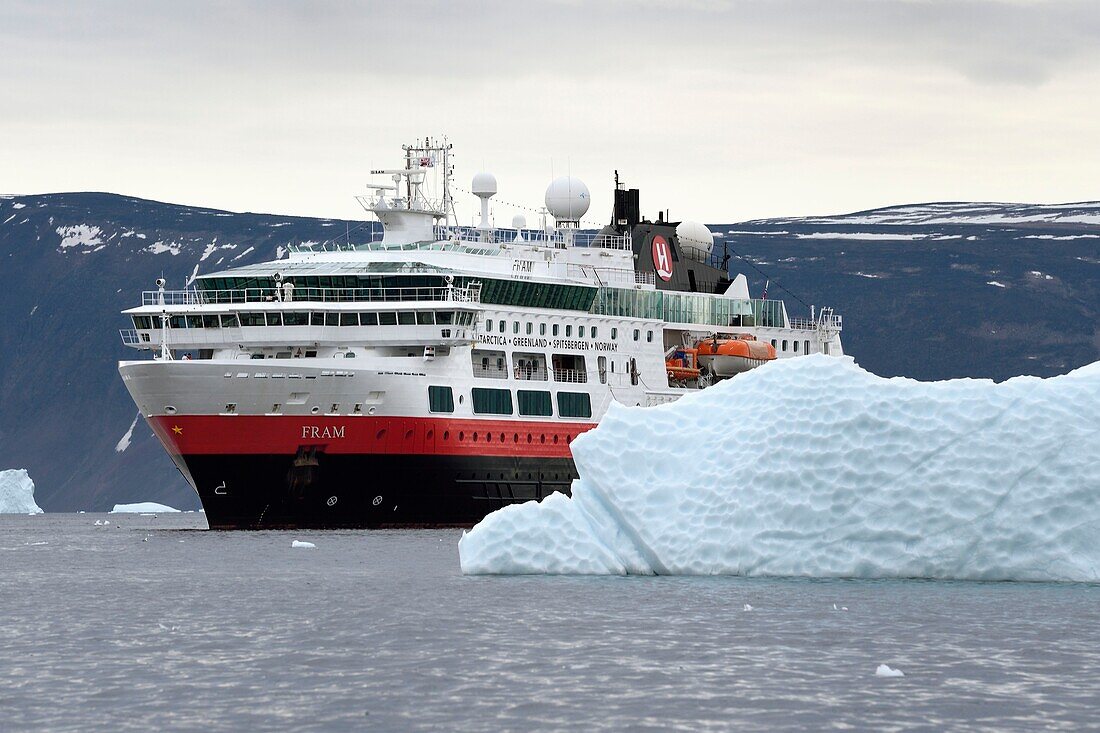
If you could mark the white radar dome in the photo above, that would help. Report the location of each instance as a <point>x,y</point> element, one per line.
<point>484,184</point>
<point>519,221</point>
<point>567,198</point>
<point>694,234</point>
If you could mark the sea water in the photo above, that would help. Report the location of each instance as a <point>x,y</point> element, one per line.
<point>149,623</point>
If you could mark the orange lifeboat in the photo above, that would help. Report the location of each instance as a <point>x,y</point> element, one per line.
<point>683,365</point>
<point>726,357</point>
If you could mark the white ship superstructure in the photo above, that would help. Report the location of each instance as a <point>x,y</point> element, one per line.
<point>438,372</point>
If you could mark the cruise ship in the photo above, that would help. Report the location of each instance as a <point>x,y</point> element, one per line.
<point>435,372</point>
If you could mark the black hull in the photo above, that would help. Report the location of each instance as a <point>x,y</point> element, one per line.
<point>368,491</point>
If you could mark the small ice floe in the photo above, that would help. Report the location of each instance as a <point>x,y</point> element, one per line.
<point>306,545</point>
<point>748,607</point>
<point>144,507</point>
<point>842,608</point>
<point>885,671</point>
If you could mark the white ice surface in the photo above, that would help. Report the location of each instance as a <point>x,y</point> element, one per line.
<point>303,545</point>
<point>144,507</point>
<point>124,441</point>
<point>17,493</point>
<point>814,467</point>
<point>884,670</point>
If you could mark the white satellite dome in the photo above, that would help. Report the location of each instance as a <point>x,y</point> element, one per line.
<point>519,221</point>
<point>567,198</point>
<point>694,234</point>
<point>484,184</point>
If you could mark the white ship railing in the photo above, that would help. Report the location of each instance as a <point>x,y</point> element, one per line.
<point>311,295</point>
<point>559,238</point>
<point>831,323</point>
<point>575,376</point>
<point>475,239</point>
<point>490,372</point>
<point>530,375</point>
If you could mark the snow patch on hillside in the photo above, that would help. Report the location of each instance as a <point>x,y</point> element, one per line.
<point>124,441</point>
<point>869,236</point>
<point>80,235</point>
<point>815,467</point>
<point>159,248</point>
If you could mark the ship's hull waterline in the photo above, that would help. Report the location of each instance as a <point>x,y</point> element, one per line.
<point>364,472</point>
<point>368,491</point>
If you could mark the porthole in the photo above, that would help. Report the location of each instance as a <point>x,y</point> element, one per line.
<point>446,435</point>
<point>529,438</point>
<point>429,435</point>
<point>555,440</point>
<point>408,435</point>
<point>515,438</point>
<point>542,438</point>
<point>380,434</point>
<point>488,437</point>
<point>475,437</point>
<point>314,410</point>
<point>502,437</point>
<point>169,410</point>
<point>370,410</point>
<point>461,435</point>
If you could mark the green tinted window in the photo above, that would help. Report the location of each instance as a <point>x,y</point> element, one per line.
<point>574,404</point>
<point>492,401</point>
<point>533,402</point>
<point>440,399</point>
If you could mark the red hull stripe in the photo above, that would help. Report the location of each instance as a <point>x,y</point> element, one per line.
<point>285,434</point>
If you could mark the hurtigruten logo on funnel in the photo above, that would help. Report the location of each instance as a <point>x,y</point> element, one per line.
<point>662,258</point>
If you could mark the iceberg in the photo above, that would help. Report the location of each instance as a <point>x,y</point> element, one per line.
<point>814,467</point>
<point>144,507</point>
<point>17,493</point>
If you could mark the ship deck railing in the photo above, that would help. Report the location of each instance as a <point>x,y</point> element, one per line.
<point>474,240</point>
<point>305,295</point>
<point>557,238</point>
<point>490,372</point>
<point>531,375</point>
<point>828,323</point>
<point>574,376</point>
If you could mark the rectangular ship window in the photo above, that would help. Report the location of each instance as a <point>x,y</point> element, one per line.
<point>440,399</point>
<point>574,404</point>
<point>492,401</point>
<point>534,402</point>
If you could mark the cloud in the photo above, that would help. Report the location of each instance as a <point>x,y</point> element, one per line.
<point>718,109</point>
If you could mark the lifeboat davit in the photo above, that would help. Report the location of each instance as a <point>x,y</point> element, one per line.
<point>725,357</point>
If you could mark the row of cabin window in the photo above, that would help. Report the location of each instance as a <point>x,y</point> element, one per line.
<point>805,347</point>
<point>531,403</point>
<point>529,329</point>
<point>316,318</point>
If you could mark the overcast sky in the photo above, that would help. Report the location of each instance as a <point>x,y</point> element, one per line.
<point>721,111</point>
